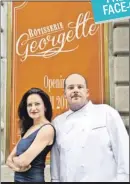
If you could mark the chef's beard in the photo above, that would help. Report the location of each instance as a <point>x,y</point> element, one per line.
<point>76,107</point>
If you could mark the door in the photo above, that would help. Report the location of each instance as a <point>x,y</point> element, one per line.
<point>50,41</point>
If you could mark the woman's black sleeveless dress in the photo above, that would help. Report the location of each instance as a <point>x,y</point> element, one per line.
<point>36,172</point>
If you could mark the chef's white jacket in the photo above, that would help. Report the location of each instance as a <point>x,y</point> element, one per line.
<point>92,144</point>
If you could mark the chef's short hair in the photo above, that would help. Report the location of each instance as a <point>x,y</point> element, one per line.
<point>74,74</point>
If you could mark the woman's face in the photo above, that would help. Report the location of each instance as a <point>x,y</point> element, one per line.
<point>35,107</point>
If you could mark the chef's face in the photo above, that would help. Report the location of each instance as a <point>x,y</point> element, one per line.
<point>76,91</point>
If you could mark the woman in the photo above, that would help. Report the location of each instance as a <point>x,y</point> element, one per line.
<point>38,136</point>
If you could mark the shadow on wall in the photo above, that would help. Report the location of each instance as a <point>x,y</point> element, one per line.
<point>127,128</point>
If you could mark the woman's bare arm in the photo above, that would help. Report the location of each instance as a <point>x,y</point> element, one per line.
<point>10,163</point>
<point>44,137</point>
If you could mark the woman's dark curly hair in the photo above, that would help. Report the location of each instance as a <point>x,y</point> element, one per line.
<point>25,121</point>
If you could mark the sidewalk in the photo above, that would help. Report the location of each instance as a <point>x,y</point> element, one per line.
<point>7,174</point>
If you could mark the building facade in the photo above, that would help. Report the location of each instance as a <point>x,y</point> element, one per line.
<point>118,49</point>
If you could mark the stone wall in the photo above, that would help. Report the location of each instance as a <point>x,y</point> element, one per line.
<point>119,57</point>
<point>3,68</point>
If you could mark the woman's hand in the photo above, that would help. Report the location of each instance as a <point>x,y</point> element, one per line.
<point>14,166</point>
<point>18,163</point>
<point>11,164</point>
<point>24,169</point>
